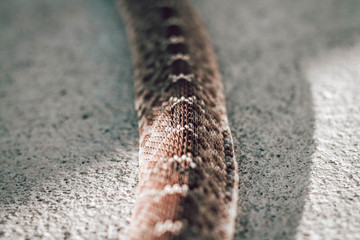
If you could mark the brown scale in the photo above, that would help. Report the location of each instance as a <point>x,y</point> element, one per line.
<point>204,209</point>
<point>177,48</point>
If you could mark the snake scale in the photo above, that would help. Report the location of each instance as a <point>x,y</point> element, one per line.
<point>188,174</point>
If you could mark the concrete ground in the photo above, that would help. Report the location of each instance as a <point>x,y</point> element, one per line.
<point>68,128</point>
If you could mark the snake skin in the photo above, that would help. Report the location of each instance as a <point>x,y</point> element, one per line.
<point>188,173</point>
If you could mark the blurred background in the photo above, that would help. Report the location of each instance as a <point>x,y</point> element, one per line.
<point>68,127</point>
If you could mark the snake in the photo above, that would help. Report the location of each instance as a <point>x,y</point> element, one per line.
<point>188,177</point>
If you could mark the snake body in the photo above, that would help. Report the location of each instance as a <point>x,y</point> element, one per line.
<point>188,173</point>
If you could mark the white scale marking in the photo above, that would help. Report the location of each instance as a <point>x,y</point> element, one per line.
<point>188,77</point>
<point>176,39</point>
<point>168,226</point>
<point>184,57</point>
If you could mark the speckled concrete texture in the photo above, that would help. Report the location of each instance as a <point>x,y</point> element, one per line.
<point>291,70</point>
<point>68,128</point>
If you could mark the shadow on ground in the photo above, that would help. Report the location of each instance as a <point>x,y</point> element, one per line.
<point>261,48</point>
<point>68,128</point>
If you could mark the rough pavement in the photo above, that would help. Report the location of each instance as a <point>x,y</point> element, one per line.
<point>68,127</point>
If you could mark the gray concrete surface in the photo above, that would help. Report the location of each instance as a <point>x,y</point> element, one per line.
<point>68,145</point>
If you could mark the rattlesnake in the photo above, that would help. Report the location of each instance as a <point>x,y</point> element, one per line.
<point>188,173</point>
